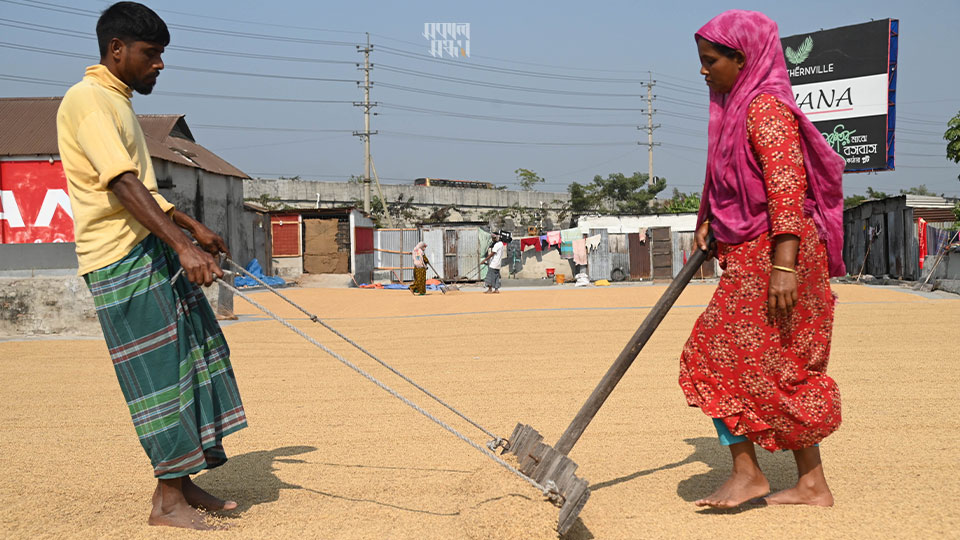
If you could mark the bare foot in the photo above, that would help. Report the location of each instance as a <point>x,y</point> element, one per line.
<point>738,489</point>
<point>179,515</point>
<point>811,488</point>
<point>198,498</point>
<point>813,494</point>
<point>170,508</point>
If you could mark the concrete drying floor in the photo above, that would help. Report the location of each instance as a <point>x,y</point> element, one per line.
<point>329,455</point>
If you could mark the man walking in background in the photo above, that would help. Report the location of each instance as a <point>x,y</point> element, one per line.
<point>494,261</point>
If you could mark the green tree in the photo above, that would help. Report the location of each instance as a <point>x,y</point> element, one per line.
<point>874,194</point>
<point>853,200</point>
<point>681,202</point>
<point>917,190</point>
<point>528,179</point>
<point>615,194</point>
<point>952,136</point>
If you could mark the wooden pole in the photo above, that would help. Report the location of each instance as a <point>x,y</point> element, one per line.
<point>630,352</point>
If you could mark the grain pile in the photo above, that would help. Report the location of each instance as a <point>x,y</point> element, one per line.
<point>329,455</point>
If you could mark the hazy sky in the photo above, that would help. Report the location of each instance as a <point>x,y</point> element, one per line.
<point>549,86</point>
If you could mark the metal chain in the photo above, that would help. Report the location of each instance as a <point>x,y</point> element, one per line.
<point>494,443</point>
<point>550,492</point>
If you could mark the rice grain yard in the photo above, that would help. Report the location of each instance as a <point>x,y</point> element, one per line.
<point>329,455</point>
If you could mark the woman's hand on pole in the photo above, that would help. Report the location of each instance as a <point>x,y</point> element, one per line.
<point>701,239</point>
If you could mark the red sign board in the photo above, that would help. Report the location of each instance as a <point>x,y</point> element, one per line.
<point>34,205</point>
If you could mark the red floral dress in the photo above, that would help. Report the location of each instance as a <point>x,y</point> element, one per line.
<point>766,377</point>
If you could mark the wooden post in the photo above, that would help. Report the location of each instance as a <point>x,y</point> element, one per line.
<point>630,352</point>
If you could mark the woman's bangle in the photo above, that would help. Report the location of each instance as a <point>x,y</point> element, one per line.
<point>785,269</point>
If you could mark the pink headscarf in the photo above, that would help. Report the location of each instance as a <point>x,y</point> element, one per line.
<point>734,189</point>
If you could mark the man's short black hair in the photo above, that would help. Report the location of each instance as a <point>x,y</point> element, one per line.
<point>129,22</point>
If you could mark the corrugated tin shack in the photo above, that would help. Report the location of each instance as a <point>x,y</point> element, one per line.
<point>881,238</point>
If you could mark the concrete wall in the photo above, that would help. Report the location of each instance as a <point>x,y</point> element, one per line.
<point>468,204</point>
<point>46,305</point>
<point>26,260</point>
<point>288,267</point>
<point>534,264</point>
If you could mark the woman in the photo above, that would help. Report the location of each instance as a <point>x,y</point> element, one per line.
<point>420,261</point>
<point>757,357</point>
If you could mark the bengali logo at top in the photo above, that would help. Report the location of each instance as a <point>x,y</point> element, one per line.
<point>448,40</point>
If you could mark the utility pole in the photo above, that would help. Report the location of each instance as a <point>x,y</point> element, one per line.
<point>650,127</point>
<point>366,133</point>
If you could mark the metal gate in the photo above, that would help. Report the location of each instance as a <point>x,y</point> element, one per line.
<point>639,256</point>
<point>661,247</point>
<point>434,252</point>
<point>450,254</point>
<point>392,249</point>
<point>599,259</point>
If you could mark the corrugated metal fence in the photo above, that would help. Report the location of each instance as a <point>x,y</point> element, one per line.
<point>392,248</point>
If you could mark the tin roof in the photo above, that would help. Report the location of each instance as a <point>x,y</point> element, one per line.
<point>29,128</point>
<point>927,201</point>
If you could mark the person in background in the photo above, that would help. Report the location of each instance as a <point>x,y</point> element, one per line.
<point>420,261</point>
<point>756,360</point>
<point>494,260</point>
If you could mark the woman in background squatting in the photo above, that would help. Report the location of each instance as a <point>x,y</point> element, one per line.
<point>757,357</point>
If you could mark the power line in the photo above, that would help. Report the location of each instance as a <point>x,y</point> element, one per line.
<point>501,101</point>
<point>267,128</point>
<point>259,23</point>
<point>519,62</point>
<point>54,30</point>
<point>495,69</point>
<point>65,84</point>
<point>68,54</point>
<point>264,145</point>
<point>474,82</point>
<point>494,141</point>
<point>186,27</point>
<point>498,118</point>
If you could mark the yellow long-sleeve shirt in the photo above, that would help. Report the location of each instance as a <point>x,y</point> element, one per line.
<point>100,139</point>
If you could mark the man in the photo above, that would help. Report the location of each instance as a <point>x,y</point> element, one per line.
<point>494,260</point>
<point>167,349</point>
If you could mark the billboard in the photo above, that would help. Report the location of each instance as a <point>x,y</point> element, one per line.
<point>844,80</point>
<point>34,205</point>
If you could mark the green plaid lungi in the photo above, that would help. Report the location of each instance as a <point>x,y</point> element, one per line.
<point>171,359</point>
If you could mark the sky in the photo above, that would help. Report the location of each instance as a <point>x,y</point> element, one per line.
<point>554,87</point>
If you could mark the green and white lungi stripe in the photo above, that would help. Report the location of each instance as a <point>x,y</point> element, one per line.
<point>171,359</point>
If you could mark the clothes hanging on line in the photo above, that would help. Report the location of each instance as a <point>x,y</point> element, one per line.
<point>593,242</point>
<point>643,235</point>
<point>566,250</point>
<point>533,241</point>
<point>569,235</point>
<point>553,238</point>
<point>580,251</point>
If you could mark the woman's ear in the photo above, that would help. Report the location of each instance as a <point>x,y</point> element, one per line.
<point>740,58</point>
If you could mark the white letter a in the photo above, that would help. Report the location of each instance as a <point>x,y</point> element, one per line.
<point>10,210</point>
<point>54,198</point>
